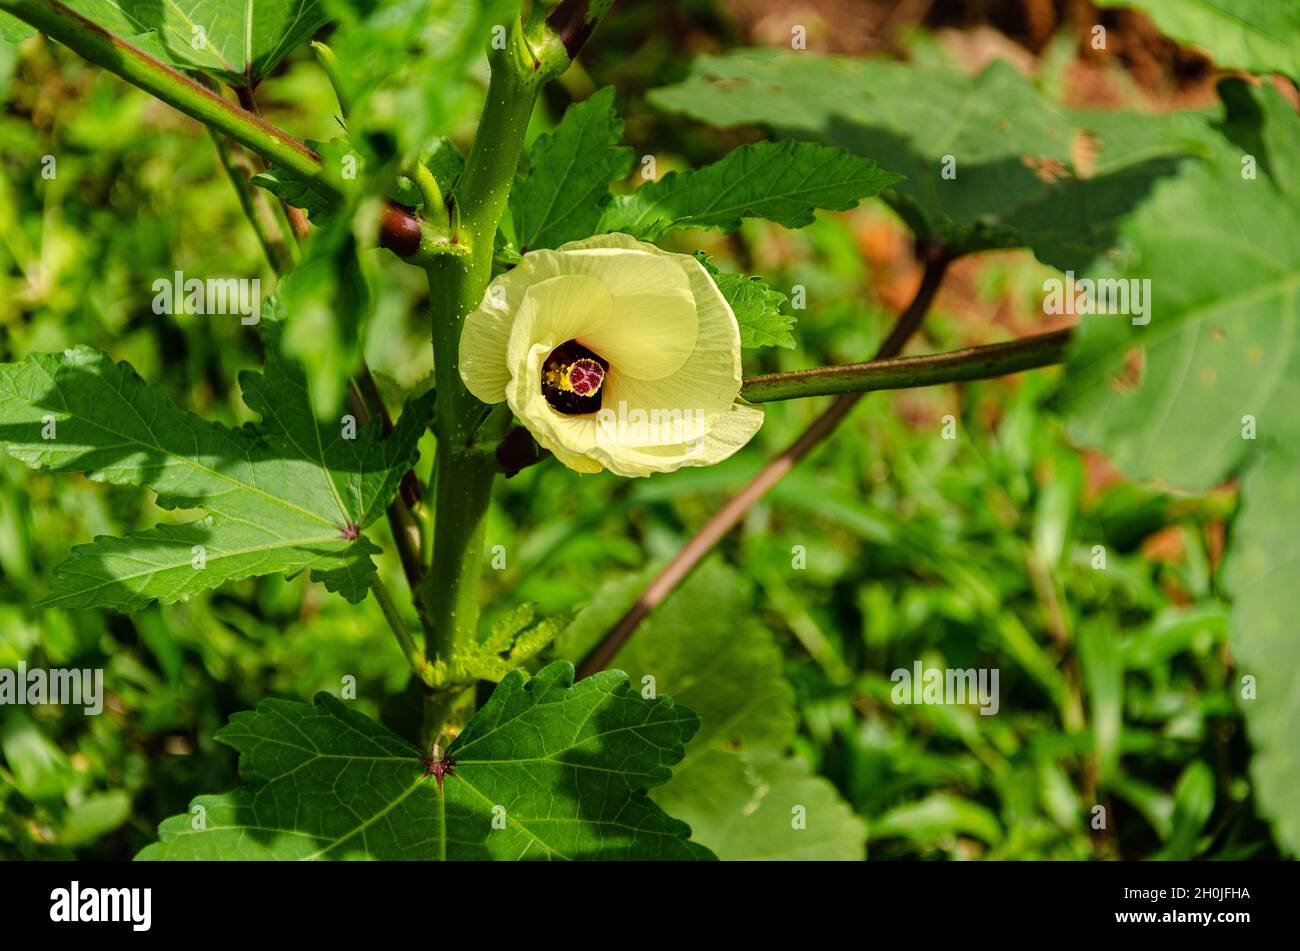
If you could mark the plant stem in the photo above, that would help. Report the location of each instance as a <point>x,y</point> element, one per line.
<point>410,650</point>
<point>173,87</point>
<point>265,217</point>
<point>535,53</point>
<point>462,490</point>
<point>462,477</point>
<point>899,373</point>
<point>484,186</point>
<point>365,402</point>
<point>727,517</point>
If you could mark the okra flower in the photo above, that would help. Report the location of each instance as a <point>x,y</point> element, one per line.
<point>615,355</point>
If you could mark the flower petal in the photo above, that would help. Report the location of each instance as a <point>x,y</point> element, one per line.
<point>557,309</point>
<point>569,438</point>
<point>651,330</point>
<point>726,433</point>
<point>486,333</point>
<point>706,384</point>
<point>659,319</point>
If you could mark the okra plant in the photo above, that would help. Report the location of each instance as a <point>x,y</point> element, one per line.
<point>576,323</point>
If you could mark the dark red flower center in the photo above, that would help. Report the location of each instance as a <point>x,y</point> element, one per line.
<point>572,379</point>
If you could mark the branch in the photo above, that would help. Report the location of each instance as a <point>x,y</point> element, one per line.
<point>410,650</point>
<point>900,373</point>
<point>272,229</point>
<point>399,230</point>
<point>104,49</point>
<point>727,517</point>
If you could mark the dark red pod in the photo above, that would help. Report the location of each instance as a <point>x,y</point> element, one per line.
<point>399,230</point>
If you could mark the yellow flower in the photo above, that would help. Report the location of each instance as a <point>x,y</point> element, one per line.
<point>615,355</point>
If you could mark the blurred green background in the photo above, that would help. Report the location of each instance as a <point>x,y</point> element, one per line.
<point>974,552</point>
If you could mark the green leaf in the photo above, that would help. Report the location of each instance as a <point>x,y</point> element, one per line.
<point>738,788</point>
<point>566,767</point>
<point>297,191</point>
<point>1193,805</point>
<point>1103,674</point>
<point>325,302</point>
<point>1263,562</point>
<point>14,30</point>
<point>237,41</point>
<point>784,182</point>
<point>989,163</point>
<point>757,308</point>
<point>40,770</point>
<point>96,815</point>
<point>288,186</point>
<point>343,167</point>
<point>412,69</point>
<point>1176,399</point>
<point>444,162</point>
<point>567,185</point>
<point>936,817</point>
<point>279,495</point>
<point>1262,36</point>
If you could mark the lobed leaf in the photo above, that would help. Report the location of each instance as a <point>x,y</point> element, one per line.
<point>989,162</point>
<point>1176,399</point>
<point>547,769</point>
<point>784,182</point>
<point>280,496</point>
<point>571,167</point>
<point>738,787</point>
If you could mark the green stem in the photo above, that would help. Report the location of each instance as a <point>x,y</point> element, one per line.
<point>110,52</point>
<point>535,54</point>
<point>462,477</point>
<point>435,205</point>
<point>263,214</point>
<point>406,643</point>
<point>462,489</point>
<point>972,363</point>
<point>484,186</point>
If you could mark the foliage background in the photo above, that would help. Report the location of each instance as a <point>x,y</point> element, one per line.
<point>1116,685</point>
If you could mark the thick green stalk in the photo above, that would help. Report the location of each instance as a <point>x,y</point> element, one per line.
<point>463,476</point>
<point>484,186</point>
<point>462,489</point>
<point>114,54</point>
<point>900,373</point>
